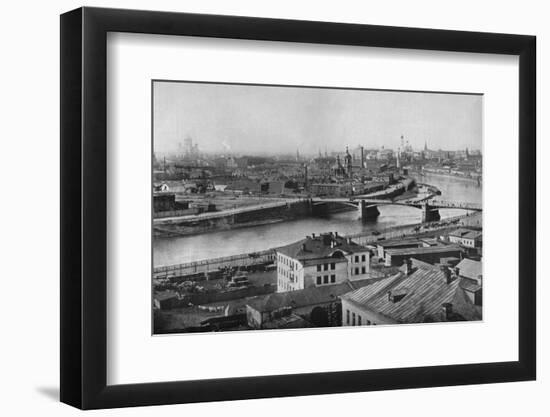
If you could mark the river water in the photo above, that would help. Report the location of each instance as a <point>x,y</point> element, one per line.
<point>170,251</point>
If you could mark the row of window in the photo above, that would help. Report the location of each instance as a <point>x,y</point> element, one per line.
<point>362,257</point>
<point>284,286</point>
<point>325,279</point>
<point>355,271</point>
<point>325,267</point>
<point>286,273</point>
<point>350,320</point>
<point>286,261</point>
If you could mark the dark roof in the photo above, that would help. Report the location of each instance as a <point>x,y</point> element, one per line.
<point>323,246</point>
<point>450,260</point>
<point>463,306</point>
<point>400,243</point>
<point>473,234</point>
<point>426,290</point>
<point>305,297</point>
<point>291,321</point>
<point>470,285</point>
<point>469,268</point>
<point>466,233</point>
<point>165,295</point>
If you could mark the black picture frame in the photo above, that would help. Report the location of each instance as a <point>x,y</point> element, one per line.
<point>84,207</point>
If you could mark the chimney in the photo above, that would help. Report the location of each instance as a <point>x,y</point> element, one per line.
<point>447,272</point>
<point>313,235</point>
<point>389,296</point>
<point>447,310</point>
<point>362,157</point>
<point>304,247</point>
<point>408,266</point>
<point>456,272</point>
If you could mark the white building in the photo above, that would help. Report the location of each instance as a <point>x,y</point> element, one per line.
<point>466,237</point>
<point>320,260</point>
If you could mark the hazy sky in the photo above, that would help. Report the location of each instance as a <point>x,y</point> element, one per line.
<point>262,119</point>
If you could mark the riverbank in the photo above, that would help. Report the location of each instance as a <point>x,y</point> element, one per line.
<point>365,238</point>
<point>264,212</point>
<point>476,180</point>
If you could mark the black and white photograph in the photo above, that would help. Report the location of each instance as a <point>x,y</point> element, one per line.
<point>289,207</point>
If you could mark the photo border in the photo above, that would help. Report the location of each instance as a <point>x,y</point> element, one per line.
<point>226,83</point>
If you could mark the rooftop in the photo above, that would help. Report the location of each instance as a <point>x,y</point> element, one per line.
<point>321,246</point>
<point>305,297</point>
<point>165,295</point>
<point>422,250</point>
<point>291,321</point>
<point>399,242</point>
<point>423,293</point>
<point>466,233</point>
<point>470,269</point>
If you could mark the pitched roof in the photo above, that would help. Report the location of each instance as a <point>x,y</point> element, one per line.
<point>323,246</point>
<point>292,321</point>
<point>426,290</point>
<point>305,297</point>
<point>165,295</point>
<point>469,268</point>
<point>470,285</point>
<point>459,232</point>
<point>463,306</point>
<point>473,234</point>
<point>466,233</point>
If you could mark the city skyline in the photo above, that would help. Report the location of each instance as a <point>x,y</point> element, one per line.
<point>284,119</point>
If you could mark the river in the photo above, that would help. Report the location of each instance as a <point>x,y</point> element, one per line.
<point>169,251</point>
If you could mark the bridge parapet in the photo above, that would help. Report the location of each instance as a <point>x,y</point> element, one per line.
<point>456,204</point>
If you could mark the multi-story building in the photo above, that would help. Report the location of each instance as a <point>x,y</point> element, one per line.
<point>325,259</point>
<point>419,293</point>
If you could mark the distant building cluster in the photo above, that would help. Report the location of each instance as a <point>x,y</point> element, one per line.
<point>345,172</point>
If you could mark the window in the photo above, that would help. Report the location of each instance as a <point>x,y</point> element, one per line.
<point>363,258</point>
<point>347,316</point>
<point>318,268</point>
<point>356,271</point>
<point>318,280</point>
<point>333,278</point>
<point>356,258</point>
<point>325,267</point>
<point>325,279</point>
<point>358,320</point>
<point>333,266</point>
<point>353,319</point>
<point>363,270</point>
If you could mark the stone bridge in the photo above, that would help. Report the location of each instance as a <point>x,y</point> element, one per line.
<point>368,207</point>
